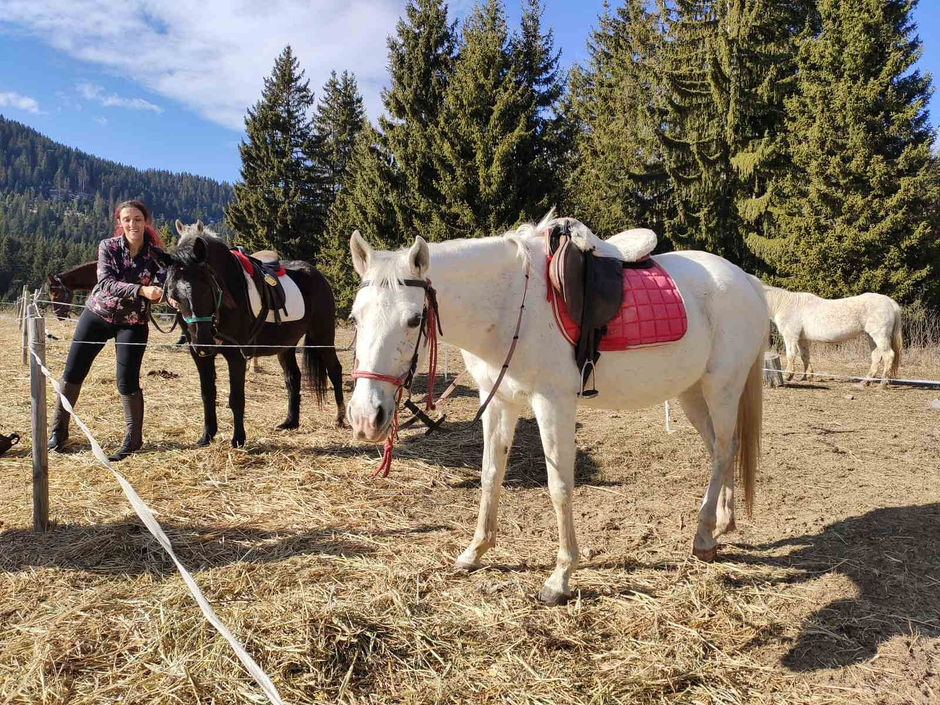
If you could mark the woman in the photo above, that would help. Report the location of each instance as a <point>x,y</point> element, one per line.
<point>129,278</point>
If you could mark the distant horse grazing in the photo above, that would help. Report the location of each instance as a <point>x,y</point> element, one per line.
<point>208,285</point>
<point>62,286</point>
<point>802,318</point>
<point>714,369</point>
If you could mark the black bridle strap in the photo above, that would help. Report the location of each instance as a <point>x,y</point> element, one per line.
<point>512,349</point>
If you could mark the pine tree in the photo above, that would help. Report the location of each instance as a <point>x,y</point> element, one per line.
<point>279,201</point>
<point>483,126</point>
<point>616,177</point>
<point>361,205</point>
<point>338,120</point>
<point>420,60</point>
<point>541,152</point>
<point>857,210</point>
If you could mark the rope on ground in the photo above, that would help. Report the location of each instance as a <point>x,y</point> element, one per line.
<point>849,378</point>
<point>146,516</point>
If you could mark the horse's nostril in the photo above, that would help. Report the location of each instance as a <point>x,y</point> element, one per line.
<point>380,417</point>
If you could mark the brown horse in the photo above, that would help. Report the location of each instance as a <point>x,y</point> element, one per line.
<point>62,286</point>
<point>207,284</point>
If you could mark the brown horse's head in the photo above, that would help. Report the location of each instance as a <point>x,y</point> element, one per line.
<point>60,295</point>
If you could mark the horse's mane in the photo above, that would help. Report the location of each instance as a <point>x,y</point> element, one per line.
<point>184,248</point>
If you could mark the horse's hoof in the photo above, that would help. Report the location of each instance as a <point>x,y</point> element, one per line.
<point>288,425</point>
<point>238,442</point>
<point>706,555</point>
<point>464,567</point>
<point>203,441</point>
<point>551,596</point>
<point>340,422</point>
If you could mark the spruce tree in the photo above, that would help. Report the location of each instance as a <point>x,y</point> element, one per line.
<point>338,120</point>
<point>279,201</point>
<point>420,60</point>
<point>542,151</point>
<point>856,211</point>
<point>483,126</point>
<point>616,178</point>
<point>362,205</point>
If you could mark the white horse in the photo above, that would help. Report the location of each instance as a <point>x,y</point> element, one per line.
<point>802,317</point>
<point>715,369</point>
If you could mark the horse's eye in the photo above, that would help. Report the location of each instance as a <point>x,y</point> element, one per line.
<point>414,321</point>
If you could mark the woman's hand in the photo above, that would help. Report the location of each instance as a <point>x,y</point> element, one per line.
<point>154,293</point>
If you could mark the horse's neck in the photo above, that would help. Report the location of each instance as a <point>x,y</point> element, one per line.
<point>477,284</point>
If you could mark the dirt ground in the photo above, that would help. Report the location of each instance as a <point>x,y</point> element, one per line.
<point>341,586</point>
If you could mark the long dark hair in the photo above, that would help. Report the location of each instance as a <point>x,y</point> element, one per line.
<point>149,231</point>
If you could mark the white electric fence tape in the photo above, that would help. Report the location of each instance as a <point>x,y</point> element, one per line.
<point>146,516</point>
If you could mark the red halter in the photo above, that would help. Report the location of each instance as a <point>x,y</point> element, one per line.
<point>430,327</point>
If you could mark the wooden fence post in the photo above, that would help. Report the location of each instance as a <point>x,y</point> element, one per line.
<point>773,376</point>
<point>24,353</point>
<point>37,392</point>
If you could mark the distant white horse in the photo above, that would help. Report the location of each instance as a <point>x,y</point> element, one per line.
<point>715,369</point>
<point>802,318</point>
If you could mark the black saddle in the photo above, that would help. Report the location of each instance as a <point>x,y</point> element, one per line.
<point>265,267</point>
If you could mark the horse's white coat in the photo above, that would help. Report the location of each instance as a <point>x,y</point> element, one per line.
<point>479,284</point>
<point>802,318</point>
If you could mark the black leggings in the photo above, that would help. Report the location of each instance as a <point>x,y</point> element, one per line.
<point>92,327</point>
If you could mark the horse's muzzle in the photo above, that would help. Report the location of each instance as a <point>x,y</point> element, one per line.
<point>373,425</point>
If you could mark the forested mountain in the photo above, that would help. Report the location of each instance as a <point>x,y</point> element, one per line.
<point>56,203</point>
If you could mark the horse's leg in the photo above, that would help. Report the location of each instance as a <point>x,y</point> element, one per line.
<point>334,371</point>
<point>288,359</point>
<point>696,409</point>
<point>886,353</point>
<point>237,365</point>
<point>722,397</point>
<point>206,368</point>
<point>804,355</point>
<point>499,426</point>
<point>556,419</point>
<point>792,346</point>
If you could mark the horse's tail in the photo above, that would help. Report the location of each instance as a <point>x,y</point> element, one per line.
<point>315,367</point>
<point>750,416</point>
<point>897,342</point>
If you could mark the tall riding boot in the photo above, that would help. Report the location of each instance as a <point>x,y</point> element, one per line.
<point>133,423</point>
<point>60,422</point>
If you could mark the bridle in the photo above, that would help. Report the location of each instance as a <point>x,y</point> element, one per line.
<point>211,318</point>
<point>429,329</point>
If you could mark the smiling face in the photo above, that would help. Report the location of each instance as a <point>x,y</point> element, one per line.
<point>132,222</point>
<point>388,316</point>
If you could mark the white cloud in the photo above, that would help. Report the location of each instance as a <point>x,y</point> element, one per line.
<point>89,91</point>
<point>15,100</point>
<point>213,55</point>
<point>101,120</point>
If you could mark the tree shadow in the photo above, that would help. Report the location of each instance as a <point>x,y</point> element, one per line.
<point>127,548</point>
<point>892,555</point>
<point>459,446</point>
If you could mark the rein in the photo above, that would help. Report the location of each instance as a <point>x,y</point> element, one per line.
<point>429,330</point>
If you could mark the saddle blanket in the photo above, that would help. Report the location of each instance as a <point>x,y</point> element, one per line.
<point>293,299</point>
<point>652,312</point>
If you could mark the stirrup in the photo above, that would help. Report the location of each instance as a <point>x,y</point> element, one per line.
<point>585,375</point>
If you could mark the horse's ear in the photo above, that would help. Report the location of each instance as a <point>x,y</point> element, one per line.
<point>199,227</point>
<point>179,227</point>
<point>199,250</point>
<point>419,257</point>
<point>361,253</point>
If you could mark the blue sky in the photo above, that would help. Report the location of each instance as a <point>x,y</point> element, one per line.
<point>164,83</point>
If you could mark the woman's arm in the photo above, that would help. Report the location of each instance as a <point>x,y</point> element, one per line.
<point>109,275</point>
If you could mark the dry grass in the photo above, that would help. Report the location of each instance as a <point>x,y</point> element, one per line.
<point>341,587</point>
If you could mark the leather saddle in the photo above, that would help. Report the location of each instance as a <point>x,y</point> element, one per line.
<point>265,272</point>
<point>590,284</point>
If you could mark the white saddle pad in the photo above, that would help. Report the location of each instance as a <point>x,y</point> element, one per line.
<point>294,301</point>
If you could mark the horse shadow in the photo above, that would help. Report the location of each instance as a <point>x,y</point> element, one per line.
<point>126,547</point>
<point>892,555</point>
<point>458,445</point>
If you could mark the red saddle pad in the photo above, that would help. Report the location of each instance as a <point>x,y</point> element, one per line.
<point>652,312</point>
<point>249,267</point>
